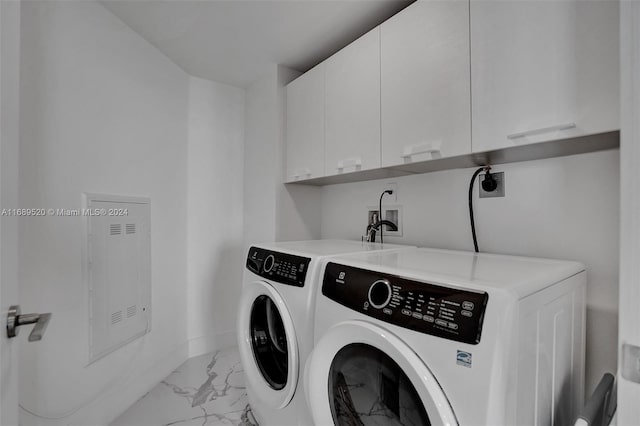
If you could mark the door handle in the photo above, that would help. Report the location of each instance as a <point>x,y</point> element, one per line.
<point>300,173</point>
<point>15,320</point>
<point>355,162</point>
<point>542,130</point>
<point>421,148</point>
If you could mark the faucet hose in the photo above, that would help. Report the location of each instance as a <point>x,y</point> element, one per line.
<point>380,217</point>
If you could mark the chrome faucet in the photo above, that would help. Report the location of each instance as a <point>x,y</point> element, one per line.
<point>375,225</point>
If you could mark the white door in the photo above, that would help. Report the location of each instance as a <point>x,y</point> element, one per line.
<point>305,126</point>
<point>267,344</point>
<point>9,130</point>
<point>542,70</point>
<point>373,378</point>
<point>425,93</point>
<point>352,108</point>
<point>629,319</point>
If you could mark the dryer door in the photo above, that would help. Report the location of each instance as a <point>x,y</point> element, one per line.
<point>361,374</point>
<point>267,344</point>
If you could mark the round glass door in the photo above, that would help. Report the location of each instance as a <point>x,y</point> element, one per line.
<point>269,342</point>
<point>367,387</point>
<point>267,345</point>
<point>361,374</point>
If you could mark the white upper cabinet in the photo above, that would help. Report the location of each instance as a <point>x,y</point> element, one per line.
<point>425,83</point>
<point>305,126</point>
<point>352,130</point>
<point>543,70</point>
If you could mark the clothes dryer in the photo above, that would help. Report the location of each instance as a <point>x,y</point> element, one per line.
<point>438,337</point>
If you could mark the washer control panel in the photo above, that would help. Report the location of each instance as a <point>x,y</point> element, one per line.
<point>452,313</point>
<point>280,267</point>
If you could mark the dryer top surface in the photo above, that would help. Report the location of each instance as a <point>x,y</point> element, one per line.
<point>318,248</point>
<point>518,275</point>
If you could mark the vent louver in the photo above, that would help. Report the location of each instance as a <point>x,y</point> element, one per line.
<point>130,228</point>
<point>116,317</point>
<point>115,229</point>
<point>131,311</point>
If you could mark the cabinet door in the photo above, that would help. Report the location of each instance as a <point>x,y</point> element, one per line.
<point>353,106</point>
<point>305,126</point>
<point>425,82</point>
<point>542,70</point>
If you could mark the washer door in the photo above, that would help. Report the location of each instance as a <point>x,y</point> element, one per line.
<point>361,374</point>
<point>267,344</point>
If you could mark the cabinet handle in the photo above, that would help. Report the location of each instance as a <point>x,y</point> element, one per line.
<point>301,173</point>
<point>355,162</point>
<point>565,126</point>
<point>420,148</point>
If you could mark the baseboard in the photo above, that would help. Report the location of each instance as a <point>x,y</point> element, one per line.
<point>107,407</point>
<point>213,342</point>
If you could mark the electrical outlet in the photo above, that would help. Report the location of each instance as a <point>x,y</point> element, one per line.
<point>392,212</point>
<point>499,191</point>
<point>392,186</point>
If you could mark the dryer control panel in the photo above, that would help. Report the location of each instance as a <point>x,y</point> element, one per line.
<point>449,312</point>
<point>280,267</point>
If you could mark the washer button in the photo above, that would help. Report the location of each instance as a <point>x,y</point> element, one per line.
<point>467,306</point>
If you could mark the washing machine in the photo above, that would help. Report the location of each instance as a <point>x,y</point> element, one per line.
<point>438,337</point>
<point>275,323</point>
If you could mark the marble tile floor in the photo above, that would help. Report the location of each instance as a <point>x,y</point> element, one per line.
<point>208,390</point>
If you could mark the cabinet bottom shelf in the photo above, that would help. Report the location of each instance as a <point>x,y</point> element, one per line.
<point>514,154</point>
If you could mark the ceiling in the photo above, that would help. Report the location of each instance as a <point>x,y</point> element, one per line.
<point>236,41</point>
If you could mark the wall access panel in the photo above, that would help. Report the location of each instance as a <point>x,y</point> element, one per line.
<point>118,265</point>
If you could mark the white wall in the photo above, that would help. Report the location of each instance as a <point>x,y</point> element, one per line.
<point>102,111</point>
<point>262,163</point>
<point>565,208</point>
<point>215,213</point>
<point>629,332</point>
<point>273,211</point>
<point>9,147</point>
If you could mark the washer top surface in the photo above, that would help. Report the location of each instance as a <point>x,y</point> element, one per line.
<point>316,248</point>
<point>515,274</point>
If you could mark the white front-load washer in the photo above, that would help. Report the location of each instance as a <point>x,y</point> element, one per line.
<point>438,337</point>
<point>275,323</point>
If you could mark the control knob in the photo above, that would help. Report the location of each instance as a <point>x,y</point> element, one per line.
<point>380,294</point>
<point>269,262</point>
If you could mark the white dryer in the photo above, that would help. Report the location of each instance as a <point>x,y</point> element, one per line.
<point>275,323</point>
<point>438,337</point>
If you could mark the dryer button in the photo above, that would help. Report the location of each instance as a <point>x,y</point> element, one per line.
<point>441,323</point>
<point>468,306</point>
